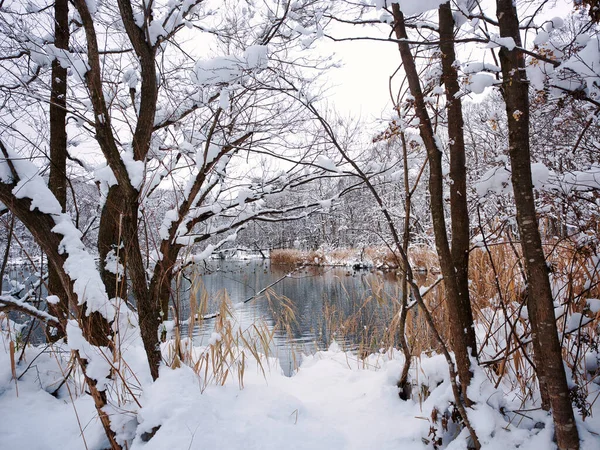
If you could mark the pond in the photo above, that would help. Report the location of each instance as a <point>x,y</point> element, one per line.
<point>306,310</point>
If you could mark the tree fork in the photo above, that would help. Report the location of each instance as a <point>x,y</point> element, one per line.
<point>457,329</point>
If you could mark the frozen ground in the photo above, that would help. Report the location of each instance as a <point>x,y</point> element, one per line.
<point>333,402</point>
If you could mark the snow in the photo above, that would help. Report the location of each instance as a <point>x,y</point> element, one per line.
<point>541,38</point>
<point>170,216</point>
<point>205,254</point>
<point>593,304</point>
<point>214,338</point>
<point>113,264</point>
<point>495,180</point>
<point>217,70</point>
<point>135,169</point>
<point>411,7</point>
<point>53,299</point>
<point>106,178</point>
<point>256,57</point>
<point>81,268</point>
<point>243,195</point>
<point>98,358</point>
<point>478,82</point>
<point>554,23</point>
<point>334,401</point>
<point>224,99</point>
<point>586,63</point>
<point>155,31</point>
<point>326,163</point>
<point>539,175</point>
<point>580,180</point>
<point>497,41</point>
<point>79,263</point>
<point>92,6</point>
<point>480,67</point>
<point>207,154</point>
<point>131,78</point>
<point>9,299</point>
<point>576,321</point>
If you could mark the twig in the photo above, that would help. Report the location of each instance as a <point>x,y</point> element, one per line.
<point>259,293</point>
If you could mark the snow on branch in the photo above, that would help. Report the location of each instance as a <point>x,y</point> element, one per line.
<point>79,264</point>
<point>10,303</point>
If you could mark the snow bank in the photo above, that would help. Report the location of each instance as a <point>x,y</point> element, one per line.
<point>334,401</point>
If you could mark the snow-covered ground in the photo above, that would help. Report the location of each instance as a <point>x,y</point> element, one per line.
<point>334,401</point>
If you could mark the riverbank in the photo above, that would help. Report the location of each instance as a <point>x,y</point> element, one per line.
<point>422,258</point>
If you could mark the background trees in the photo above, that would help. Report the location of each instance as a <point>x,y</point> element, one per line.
<point>152,135</point>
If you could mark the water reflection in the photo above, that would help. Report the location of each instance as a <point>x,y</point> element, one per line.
<point>354,307</point>
<point>349,306</point>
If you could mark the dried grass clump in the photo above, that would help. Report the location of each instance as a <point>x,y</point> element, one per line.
<point>228,349</point>
<point>341,255</point>
<point>287,256</point>
<point>499,298</point>
<point>423,259</point>
<point>378,257</point>
<point>231,348</point>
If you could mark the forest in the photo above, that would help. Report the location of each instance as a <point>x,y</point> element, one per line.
<point>446,249</point>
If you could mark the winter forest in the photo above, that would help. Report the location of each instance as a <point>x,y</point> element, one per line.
<point>310,224</point>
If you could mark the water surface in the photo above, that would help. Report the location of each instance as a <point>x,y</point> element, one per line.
<point>350,306</point>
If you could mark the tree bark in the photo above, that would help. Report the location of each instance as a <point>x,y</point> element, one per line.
<point>540,305</point>
<point>459,212</point>
<point>403,383</point>
<point>110,239</point>
<point>57,182</point>
<point>456,324</point>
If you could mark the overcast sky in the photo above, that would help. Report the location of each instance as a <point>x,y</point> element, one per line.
<point>361,86</point>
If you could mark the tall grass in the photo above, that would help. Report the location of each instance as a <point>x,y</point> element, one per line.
<point>422,258</point>
<point>498,299</point>
<point>231,348</point>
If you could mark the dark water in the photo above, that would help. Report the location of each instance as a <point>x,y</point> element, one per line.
<point>320,304</point>
<point>21,281</point>
<point>305,311</point>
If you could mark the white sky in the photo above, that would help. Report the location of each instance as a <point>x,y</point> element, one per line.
<point>361,86</point>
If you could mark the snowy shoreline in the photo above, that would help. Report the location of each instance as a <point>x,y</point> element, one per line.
<point>334,401</point>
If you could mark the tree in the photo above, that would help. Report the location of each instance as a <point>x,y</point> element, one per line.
<point>156,112</point>
<point>540,302</point>
<point>460,316</point>
<point>57,181</point>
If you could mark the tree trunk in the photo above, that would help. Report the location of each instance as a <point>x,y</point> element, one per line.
<point>403,383</point>
<point>547,350</point>
<point>459,212</point>
<point>57,182</point>
<point>110,239</point>
<point>456,324</point>
<point>119,231</point>
<point>147,304</point>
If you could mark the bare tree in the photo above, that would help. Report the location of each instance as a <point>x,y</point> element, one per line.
<point>547,349</point>
<point>459,311</point>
